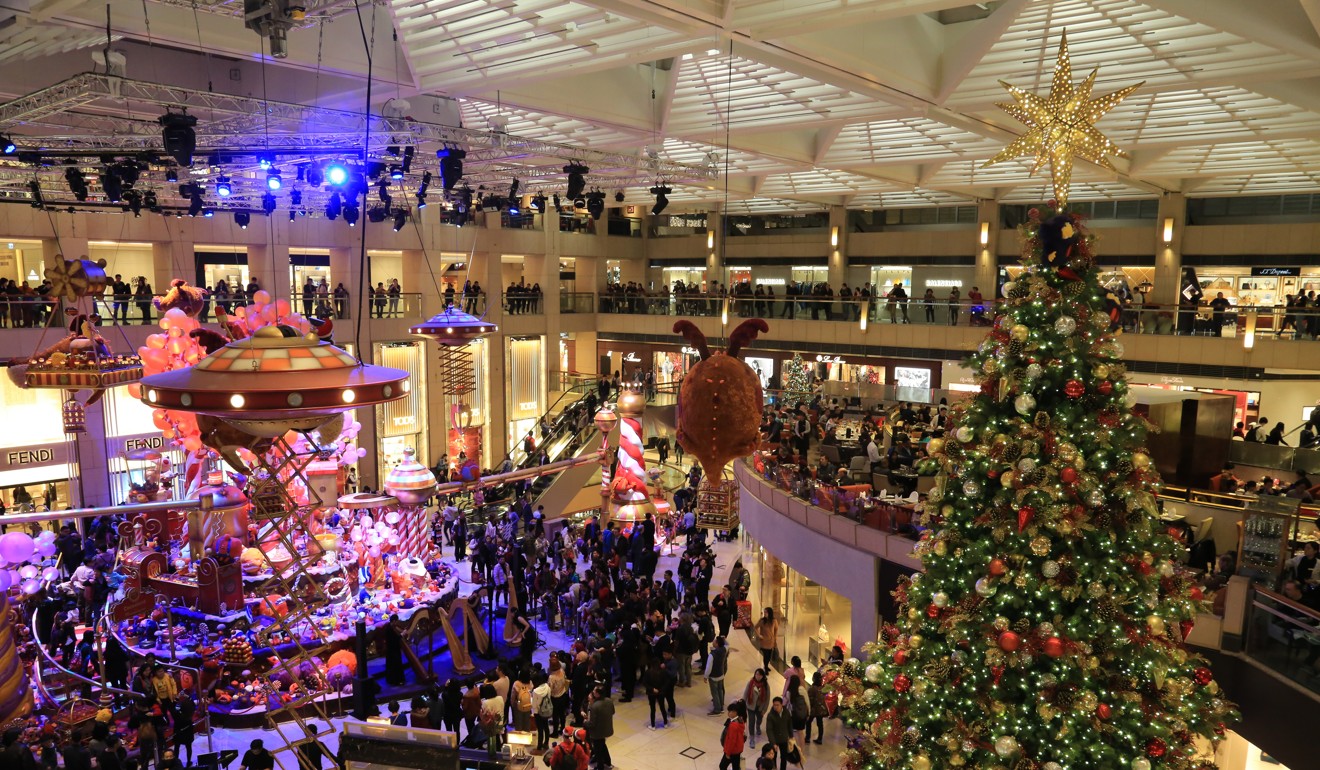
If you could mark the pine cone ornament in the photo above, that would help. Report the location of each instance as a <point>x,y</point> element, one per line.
<point>1016,348</point>
<point>1020,289</point>
<point>1042,420</point>
<point>1063,697</point>
<point>1012,452</point>
<point>1123,468</point>
<point>1073,288</point>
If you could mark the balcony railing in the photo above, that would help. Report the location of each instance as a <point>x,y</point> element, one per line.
<point>1283,634</point>
<point>523,302</point>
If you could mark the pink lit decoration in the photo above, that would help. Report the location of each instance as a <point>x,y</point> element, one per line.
<point>631,499</point>
<point>412,484</point>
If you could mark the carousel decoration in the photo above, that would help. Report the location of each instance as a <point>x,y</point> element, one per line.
<point>630,499</point>
<point>718,417</point>
<point>248,396</point>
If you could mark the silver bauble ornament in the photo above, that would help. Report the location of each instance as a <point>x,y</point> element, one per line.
<point>1034,371</point>
<point>985,588</point>
<point>1025,404</point>
<point>1006,746</point>
<point>873,673</point>
<point>940,599</point>
<point>1065,325</point>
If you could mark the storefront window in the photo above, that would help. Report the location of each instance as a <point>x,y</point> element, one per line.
<point>400,423</point>
<point>21,261</point>
<point>526,392</point>
<point>883,279</point>
<point>810,274</point>
<point>812,618</point>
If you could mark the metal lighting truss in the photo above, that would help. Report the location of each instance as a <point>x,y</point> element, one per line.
<point>317,10</point>
<point>92,115</point>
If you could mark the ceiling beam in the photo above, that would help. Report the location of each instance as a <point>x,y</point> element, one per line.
<point>957,64</point>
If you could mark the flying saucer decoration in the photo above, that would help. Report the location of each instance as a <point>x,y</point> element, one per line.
<point>275,381</point>
<point>455,331</point>
<point>410,481</point>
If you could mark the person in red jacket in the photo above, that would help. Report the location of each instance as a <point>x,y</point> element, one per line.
<point>734,737</point>
<point>568,754</point>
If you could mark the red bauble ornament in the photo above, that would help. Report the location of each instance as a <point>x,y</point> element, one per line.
<point>1009,641</point>
<point>900,657</point>
<point>1105,387</point>
<point>1068,475</point>
<point>932,611</point>
<point>997,567</point>
<point>1155,748</point>
<point>1053,647</point>
<point>902,683</point>
<point>1203,676</point>
<point>1025,515</point>
<point>1186,627</point>
<point>1103,711</point>
<point>1197,594</point>
<point>1074,388</point>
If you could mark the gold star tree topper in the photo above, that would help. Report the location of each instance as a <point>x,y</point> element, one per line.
<point>1062,125</point>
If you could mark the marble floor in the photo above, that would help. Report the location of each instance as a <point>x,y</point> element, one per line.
<point>691,741</point>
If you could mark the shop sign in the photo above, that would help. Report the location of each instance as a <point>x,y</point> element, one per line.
<point>144,442</point>
<point>688,350</point>
<point>405,421</point>
<point>1280,271</point>
<point>20,458</point>
<point>632,358</point>
<point>829,359</point>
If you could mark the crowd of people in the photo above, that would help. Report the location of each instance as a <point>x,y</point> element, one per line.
<point>520,298</point>
<point>817,300</point>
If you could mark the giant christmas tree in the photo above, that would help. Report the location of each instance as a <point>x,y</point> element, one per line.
<point>1047,631</point>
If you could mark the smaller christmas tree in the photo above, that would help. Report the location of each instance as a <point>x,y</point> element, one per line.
<point>797,379</point>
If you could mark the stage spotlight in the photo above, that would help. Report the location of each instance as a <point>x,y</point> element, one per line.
<point>396,173</point>
<point>208,212</point>
<point>37,201</point>
<point>375,169</point>
<point>273,180</point>
<point>513,207</point>
<point>112,185</point>
<point>242,219</point>
<point>172,174</point>
<point>537,203</point>
<point>451,166</point>
<point>77,183</point>
<point>293,215</point>
<point>134,200</point>
<point>295,197</point>
<point>128,172</point>
<point>377,214</point>
<point>315,176</point>
<point>334,206</point>
<point>265,160</point>
<point>408,153</point>
<point>149,200</point>
<point>383,190</point>
<point>513,189</point>
<point>618,196</point>
<point>351,215</point>
<point>268,203</point>
<point>577,181</point>
<point>556,201</point>
<point>596,204</point>
<point>336,174</point>
<point>194,201</point>
<point>661,200</point>
<point>7,145</point>
<point>400,219</point>
<point>392,149</point>
<point>179,136</point>
<point>222,187</point>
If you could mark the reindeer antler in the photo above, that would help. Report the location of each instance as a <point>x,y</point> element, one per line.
<point>745,334</point>
<point>694,337</point>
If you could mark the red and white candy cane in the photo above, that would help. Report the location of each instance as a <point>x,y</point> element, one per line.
<point>632,465</point>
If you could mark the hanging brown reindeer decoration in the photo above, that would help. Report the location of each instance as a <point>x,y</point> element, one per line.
<point>720,401</point>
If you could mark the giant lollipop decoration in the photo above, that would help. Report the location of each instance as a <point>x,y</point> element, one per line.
<point>718,416</point>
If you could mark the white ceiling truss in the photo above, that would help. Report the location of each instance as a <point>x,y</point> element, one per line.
<point>808,103</point>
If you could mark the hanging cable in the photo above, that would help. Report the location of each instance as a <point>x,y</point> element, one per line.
<point>369,49</point>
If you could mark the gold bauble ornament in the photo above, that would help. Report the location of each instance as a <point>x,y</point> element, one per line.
<point>1141,460</point>
<point>1007,478</point>
<point>941,548</point>
<point>921,762</point>
<point>1020,332</point>
<point>957,760</point>
<point>914,613</point>
<point>1156,625</point>
<point>935,447</point>
<point>915,641</point>
<point>1101,371</point>
<point>1040,545</point>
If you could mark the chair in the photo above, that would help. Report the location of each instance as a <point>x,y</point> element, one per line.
<point>859,466</point>
<point>831,453</point>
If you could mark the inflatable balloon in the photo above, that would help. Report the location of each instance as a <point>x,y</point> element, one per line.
<point>31,586</point>
<point>5,582</point>
<point>16,547</point>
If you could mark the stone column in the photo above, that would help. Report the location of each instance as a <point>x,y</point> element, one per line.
<point>836,247</point>
<point>985,240</point>
<point>1168,253</point>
